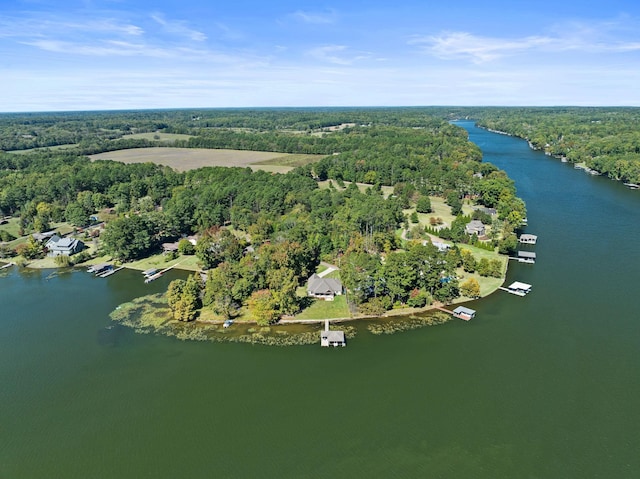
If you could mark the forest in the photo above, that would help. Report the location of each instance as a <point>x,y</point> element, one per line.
<point>261,234</point>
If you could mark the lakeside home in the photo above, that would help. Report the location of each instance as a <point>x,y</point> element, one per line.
<point>63,246</point>
<point>324,288</point>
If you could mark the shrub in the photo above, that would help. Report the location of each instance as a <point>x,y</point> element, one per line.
<point>62,260</point>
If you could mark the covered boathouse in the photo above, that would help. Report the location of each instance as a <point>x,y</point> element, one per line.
<point>464,313</point>
<point>518,288</point>
<point>526,257</point>
<point>331,338</point>
<point>528,239</point>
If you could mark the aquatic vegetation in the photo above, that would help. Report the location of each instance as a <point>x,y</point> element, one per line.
<point>396,325</point>
<point>151,314</point>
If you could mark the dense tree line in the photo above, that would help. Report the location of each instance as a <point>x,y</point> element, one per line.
<point>605,139</point>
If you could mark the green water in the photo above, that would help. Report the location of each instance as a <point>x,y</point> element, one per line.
<point>545,386</point>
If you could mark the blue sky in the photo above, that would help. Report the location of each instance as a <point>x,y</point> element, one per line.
<point>117,54</point>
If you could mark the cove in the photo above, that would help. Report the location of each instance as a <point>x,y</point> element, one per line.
<point>543,386</point>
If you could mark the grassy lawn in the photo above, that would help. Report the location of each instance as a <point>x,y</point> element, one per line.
<point>12,227</point>
<point>320,309</point>
<point>186,262</point>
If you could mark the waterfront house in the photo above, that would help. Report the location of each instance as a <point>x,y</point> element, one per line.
<point>169,247</point>
<point>475,227</point>
<point>324,288</point>
<point>63,246</point>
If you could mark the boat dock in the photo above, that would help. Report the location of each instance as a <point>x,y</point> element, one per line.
<point>153,274</point>
<point>109,272</point>
<point>99,268</point>
<point>331,338</point>
<point>525,257</point>
<point>460,312</point>
<point>528,239</point>
<point>518,288</point>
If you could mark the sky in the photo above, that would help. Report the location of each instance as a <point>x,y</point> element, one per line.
<point>60,55</point>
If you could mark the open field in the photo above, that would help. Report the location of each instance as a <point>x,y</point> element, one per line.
<point>57,147</point>
<point>183,159</point>
<point>164,137</point>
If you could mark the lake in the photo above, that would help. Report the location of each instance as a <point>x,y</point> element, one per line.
<point>540,387</point>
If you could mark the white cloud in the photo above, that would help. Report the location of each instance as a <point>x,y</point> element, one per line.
<point>475,48</point>
<point>178,27</point>
<point>317,18</point>
<point>336,54</point>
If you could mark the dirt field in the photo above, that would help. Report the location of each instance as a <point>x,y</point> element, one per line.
<point>183,159</point>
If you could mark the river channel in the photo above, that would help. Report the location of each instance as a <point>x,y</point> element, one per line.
<point>544,386</point>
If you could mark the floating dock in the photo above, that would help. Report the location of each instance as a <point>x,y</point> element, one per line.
<point>518,288</point>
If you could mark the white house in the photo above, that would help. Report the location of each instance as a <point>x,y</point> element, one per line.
<point>63,246</point>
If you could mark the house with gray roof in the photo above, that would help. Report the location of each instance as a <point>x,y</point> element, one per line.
<point>63,246</point>
<point>324,288</point>
<point>475,227</point>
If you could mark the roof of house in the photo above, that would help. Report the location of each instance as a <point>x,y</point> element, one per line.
<point>475,225</point>
<point>318,285</point>
<point>43,236</point>
<point>170,246</point>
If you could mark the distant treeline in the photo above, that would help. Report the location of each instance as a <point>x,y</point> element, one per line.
<point>605,139</point>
